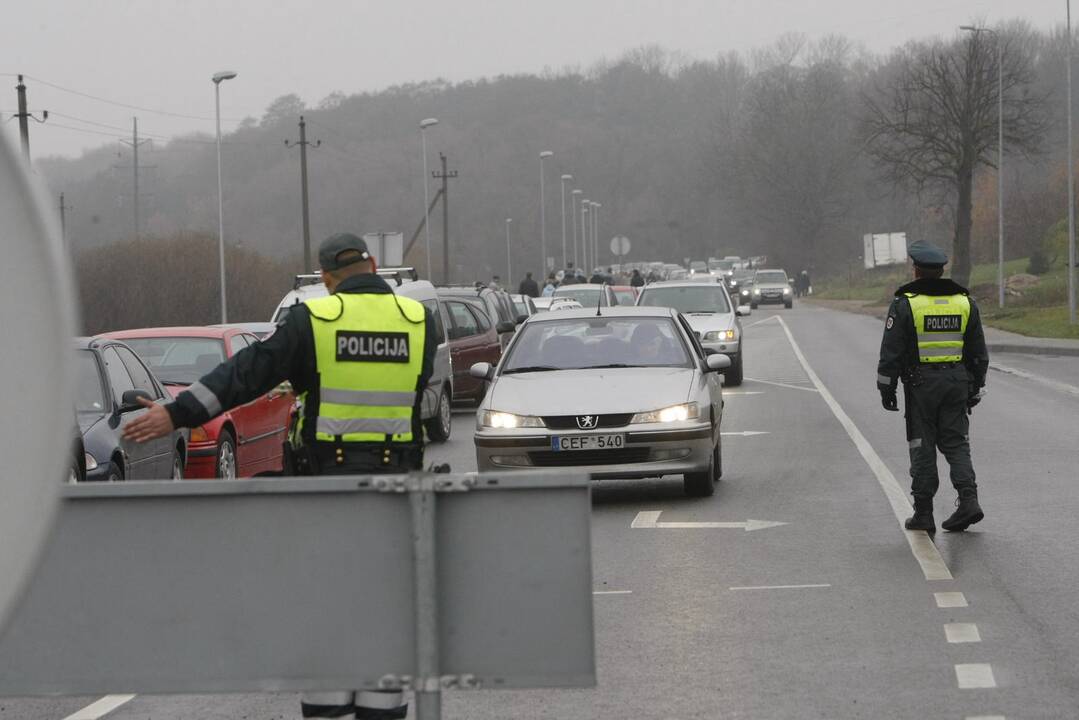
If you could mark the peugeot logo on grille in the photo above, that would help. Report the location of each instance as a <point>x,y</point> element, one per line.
<point>587,422</point>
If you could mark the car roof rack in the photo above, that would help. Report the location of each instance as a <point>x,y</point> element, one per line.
<point>398,274</point>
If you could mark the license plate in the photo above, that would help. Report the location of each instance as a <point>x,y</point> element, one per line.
<point>561,443</point>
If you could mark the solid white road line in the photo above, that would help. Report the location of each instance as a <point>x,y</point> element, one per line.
<point>781,587</point>
<point>1059,386</point>
<point>925,552</point>
<point>962,633</point>
<point>747,433</point>
<point>987,717</point>
<point>736,393</point>
<point>950,599</point>
<point>782,385</point>
<point>101,708</point>
<point>612,592</point>
<point>649,520</point>
<point>975,676</point>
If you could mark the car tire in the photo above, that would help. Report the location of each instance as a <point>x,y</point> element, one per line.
<point>225,458</point>
<point>734,375</point>
<point>115,473</point>
<point>177,464</point>
<point>701,484</point>
<point>753,306</point>
<point>718,462</point>
<point>788,305</point>
<point>440,426</point>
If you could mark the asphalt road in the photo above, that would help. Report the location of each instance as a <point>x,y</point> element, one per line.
<point>830,614</point>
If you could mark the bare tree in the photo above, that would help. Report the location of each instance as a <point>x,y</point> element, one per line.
<point>933,120</point>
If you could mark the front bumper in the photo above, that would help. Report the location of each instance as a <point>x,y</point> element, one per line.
<point>201,461</point>
<point>780,299</point>
<point>728,347</point>
<point>650,450</point>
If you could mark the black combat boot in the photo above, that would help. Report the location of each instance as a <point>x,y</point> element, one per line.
<point>966,514</point>
<point>922,519</point>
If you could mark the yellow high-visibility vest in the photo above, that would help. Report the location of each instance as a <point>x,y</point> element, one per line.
<point>940,321</point>
<point>369,356</point>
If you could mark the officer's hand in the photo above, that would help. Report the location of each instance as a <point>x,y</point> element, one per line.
<point>973,398</point>
<point>889,400</point>
<point>154,424</point>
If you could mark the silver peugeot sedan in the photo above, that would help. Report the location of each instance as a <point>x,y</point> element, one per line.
<point>710,313</point>
<point>622,392</point>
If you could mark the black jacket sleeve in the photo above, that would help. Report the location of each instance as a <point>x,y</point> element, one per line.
<point>975,353</point>
<point>430,347</point>
<point>248,374</point>
<point>896,343</point>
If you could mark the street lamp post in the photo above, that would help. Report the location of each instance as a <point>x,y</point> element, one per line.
<point>1000,156</point>
<point>564,179</point>
<point>595,232</point>
<point>424,124</point>
<point>543,217</point>
<point>509,265</point>
<point>584,235</point>
<point>218,78</point>
<point>575,195</point>
<point>1071,182</point>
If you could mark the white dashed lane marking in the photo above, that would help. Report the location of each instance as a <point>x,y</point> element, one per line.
<point>950,599</point>
<point>987,717</point>
<point>612,592</point>
<point>962,633</point>
<point>782,587</point>
<point>101,708</point>
<point>975,676</point>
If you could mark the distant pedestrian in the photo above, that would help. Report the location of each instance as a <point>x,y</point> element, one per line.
<point>597,277</point>
<point>549,288</point>
<point>496,283</point>
<point>570,275</point>
<point>636,280</point>
<point>528,286</point>
<point>806,285</point>
<point>933,340</point>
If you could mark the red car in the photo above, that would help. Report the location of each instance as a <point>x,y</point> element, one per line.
<point>626,294</point>
<point>242,442</point>
<point>473,338</point>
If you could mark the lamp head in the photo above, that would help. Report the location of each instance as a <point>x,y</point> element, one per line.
<point>424,124</point>
<point>546,154</point>
<point>223,75</point>
<point>578,192</point>
<point>567,177</point>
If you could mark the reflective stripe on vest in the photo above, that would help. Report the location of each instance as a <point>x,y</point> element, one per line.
<point>940,322</point>
<point>369,360</point>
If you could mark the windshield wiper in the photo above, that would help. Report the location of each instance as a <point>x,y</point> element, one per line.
<point>529,368</point>
<point>612,366</point>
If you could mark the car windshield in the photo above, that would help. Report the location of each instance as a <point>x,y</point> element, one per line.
<point>597,342</point>
<point>625,297</point>
<point>721,265</point>
<point>89,392</point>
<point>587,296</point>
<point>179,359</point>
<point>698,265</point>
<point>771,276</point>
<point>520,307</point>
<point>701,299</point>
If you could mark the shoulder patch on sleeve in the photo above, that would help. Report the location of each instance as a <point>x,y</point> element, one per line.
<point>889,322</point>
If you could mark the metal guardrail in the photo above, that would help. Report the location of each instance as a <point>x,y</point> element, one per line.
<point>422,581</point>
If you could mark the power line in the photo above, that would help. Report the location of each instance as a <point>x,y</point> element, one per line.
<point>124,105</point>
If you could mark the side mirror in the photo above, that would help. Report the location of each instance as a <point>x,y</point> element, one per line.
<point>743,310</point>
<point>130,400</point>
<point>717,362</point>
<point>505,327</point>
<point>482,371</point>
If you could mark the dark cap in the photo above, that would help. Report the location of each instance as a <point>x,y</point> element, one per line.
<point>927,255</point>
<point>332,248</point>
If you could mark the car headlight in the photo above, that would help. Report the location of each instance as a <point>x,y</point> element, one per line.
<point>719,336</point>
<point>91,463</point>
<point>745,292</point>
<point>756,291</point>
<point>674,413</point>
<point>786,291</point>
<point>503,420</point>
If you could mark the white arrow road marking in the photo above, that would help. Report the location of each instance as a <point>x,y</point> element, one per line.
<point>729,393</point>
<point>747,433</point>
<point>758,322</point>
<point>1058,386</point>
<point>649,519</point>
<point>101,708</point>
<point>782,385</point>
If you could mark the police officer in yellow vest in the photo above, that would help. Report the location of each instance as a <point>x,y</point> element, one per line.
<point>933,341</point>
<point>359,359</point>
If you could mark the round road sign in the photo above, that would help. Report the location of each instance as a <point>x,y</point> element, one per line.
<point>37,418</point>
<point>620,245</point>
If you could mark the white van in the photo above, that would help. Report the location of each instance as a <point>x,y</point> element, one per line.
<point>437,396</point>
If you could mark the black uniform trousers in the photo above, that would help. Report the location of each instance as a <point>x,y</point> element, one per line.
<point>359,460</point>
<point>936,412</point>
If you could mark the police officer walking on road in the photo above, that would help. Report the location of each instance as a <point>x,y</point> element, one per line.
<point>359,359</point>
<point>933,341</point>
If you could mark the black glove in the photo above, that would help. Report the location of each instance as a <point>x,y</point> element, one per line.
<point>888,399</point>
<point>974,396</point>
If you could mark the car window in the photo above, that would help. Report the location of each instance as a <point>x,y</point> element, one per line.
<point>771,276</point>
<point>179,359</point>
<point>440,330</point>
<point>464,322</point>
<point>89,392</point>
<point>483,320</point>
<point>236,344</point>
<point>140,376</point>
<point>697,299</point>
<point>587,296</point>
<point>598,342</point>
<point>119,378</point>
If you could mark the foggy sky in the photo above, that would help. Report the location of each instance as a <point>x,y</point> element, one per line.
<point>160,54</point>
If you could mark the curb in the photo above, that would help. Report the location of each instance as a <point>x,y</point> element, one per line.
<point>1032,349</point>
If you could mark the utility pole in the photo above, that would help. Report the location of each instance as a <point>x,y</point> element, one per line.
<point>307,266</point>
<point>445,176</point>
<point>24,119</point>
<point>134,145</point>
<point>1071,182</point>
<point>63,218</point>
